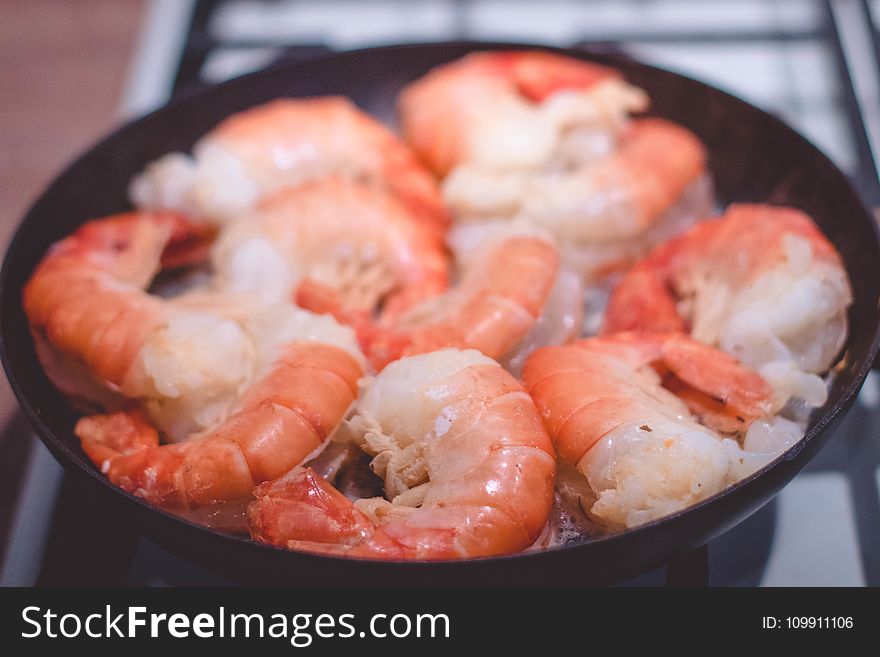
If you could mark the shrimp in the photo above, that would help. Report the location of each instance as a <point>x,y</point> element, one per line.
<point>605,214</point>
<point>612,199</point>
<point>350,245</point>
<point>468,469</point>
<point>515,110</point>
<point>652,421</point>
<point>760,282</point>
<point>511,148</point>
<point>85,300</point>
<point>246,390</point>
<point>504,287</point>
<point>562,315</point>
<point>283,417</point>
<point>284,143</point>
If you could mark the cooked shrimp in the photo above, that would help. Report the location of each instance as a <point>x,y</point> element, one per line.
<point>601,213</point>
<point>105,340</point>
<point>501,110</point>
<point>280,144</point>
<point>502,291</point>
<point>85,300</point>
<point>353,246</point>
<point>760,282</point>
<point>562,315</point>
<point>652,421</point>
<point>612,199</point>
<point>467,466</point>
<point>513,149</point>
<point>282,418</point>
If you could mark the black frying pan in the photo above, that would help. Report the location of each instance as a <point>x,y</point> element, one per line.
<point>753,156</point>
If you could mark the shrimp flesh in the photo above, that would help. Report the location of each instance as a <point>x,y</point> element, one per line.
<point>468,469</point>
<point>348,244</point>
<point>653,421</point>
<point>760,282</point>
<point>281,144</point>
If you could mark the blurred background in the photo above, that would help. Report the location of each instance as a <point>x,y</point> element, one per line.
<point>71,70</point>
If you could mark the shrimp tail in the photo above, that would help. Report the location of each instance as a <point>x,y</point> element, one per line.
<point>386,345</point>
<point>715,386</point>
<point>190,244</point>
<point>303,506</point>
<point>303,511</point>
<point>106,437</point>
<point>539,75</point>
<point>646,296</point>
